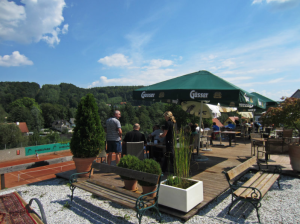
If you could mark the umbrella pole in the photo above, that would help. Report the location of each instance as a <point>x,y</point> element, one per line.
<point>200,158</point>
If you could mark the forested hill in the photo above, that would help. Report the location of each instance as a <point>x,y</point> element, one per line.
<point>64,94</point>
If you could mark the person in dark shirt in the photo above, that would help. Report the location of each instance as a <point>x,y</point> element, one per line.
<point>169,134</point>
<point>133,136</point>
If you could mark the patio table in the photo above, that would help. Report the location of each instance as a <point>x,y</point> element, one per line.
<point>226,132</point>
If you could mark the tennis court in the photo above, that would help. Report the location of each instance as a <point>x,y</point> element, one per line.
<point>36,174</point>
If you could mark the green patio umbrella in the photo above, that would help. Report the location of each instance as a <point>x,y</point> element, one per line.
<point>201,86</point>
<point>269,102</point>
<point>197,86</point>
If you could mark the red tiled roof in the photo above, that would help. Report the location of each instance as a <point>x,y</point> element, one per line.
<point>234,119</point>
<point>218,123</point>
<point>23,127</point>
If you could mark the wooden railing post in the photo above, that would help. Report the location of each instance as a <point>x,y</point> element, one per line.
<point>2,182</point>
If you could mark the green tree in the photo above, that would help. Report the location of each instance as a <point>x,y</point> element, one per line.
<point>89,136</point>
<point>21,114</point>
<point>11,135</point>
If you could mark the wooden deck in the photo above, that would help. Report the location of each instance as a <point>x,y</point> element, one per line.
<point>210,172</point>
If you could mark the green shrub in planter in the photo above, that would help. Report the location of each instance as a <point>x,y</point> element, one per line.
<point>130,162</point>
<point>149,166</point>
<point>89,136</point>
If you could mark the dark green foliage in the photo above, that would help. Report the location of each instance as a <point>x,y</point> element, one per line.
<point>149,166</point>
<point>89,136</point>
<point>130,162</point>
<point>11,91</point>
<point>11,135</point>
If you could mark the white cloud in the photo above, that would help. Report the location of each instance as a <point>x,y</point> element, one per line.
<point>271,1</point>
<point>16,59</point>
<point>115,60</point>
<point>158,63</point>
<point>147,77</point>
<point>33,21</point>
<point>228,63</point>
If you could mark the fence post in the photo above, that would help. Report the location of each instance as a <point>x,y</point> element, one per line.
<point>4,146</point>
<point>2,186</point>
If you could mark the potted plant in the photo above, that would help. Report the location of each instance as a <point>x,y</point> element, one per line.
<point>89,136</point>
<point>149,166</point>
<point>288,114</point>
<point>178,191</point>
<point>133,163</point>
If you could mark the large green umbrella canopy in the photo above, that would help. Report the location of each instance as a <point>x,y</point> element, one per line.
<point>269,102</point>
<point>197,86</point>
<point>201,86</point>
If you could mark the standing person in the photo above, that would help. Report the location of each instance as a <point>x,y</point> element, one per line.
<point>36,156</point>
<point>169,134</point>
<point>113,137</point>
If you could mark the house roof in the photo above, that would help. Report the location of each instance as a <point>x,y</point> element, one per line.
<point>23,127</point>
<point>234,118</point>
<point>218,123</point>
<point>296,93</point>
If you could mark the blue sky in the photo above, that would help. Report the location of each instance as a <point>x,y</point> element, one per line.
<point>254,44</point>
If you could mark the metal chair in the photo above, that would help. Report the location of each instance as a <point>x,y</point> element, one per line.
<point>135,149</point>
<point>255,144</point>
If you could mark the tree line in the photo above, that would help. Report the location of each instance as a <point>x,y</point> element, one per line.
<point>40,107</point>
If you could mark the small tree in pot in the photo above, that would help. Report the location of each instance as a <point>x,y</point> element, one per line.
<point>89,136</point>
<point>133,163</point>
<point>288,114</point>
<point>149,166</point>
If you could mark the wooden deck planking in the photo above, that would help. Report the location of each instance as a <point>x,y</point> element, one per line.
<point>210,172</point>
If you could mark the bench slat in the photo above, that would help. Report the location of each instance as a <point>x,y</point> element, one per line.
<point>109,192</point>
<point>241,168</point>
<point>114,188</point>
<point>110,195</point>
<point>255,183</point>
<point>259,185</point>
<point>239,191</point>
<point>107,196</point>
<point>268,185</point>
<point>138,175</point>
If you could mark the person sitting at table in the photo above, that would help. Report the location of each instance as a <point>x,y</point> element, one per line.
<point>230,125</point>
<point>206,128</point>
<point>215,128</point>
<point>156,134</point>
<point>133,136</point>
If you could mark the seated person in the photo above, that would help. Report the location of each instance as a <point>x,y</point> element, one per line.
<point>133,136</point>
<point>215,131</point>
<point>156,134</point>
<point>206,128</point>
<point>230,125</point>
<point>197,128</point>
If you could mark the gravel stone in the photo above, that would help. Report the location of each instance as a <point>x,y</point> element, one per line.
<point>278,206</point>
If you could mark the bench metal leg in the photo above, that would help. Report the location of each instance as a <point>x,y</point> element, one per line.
<point>40,207</point>
<point>72,188</point>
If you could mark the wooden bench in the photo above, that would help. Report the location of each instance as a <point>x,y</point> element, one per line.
<point>255,188</point>
<point>133,200</point>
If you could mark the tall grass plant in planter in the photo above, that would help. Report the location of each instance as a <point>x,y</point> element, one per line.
<point>89,137</point>
<point>133,163</point>
<point>178,191</point>
<point>287,114</point>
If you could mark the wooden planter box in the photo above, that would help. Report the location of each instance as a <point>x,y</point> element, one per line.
<point>181,199</point>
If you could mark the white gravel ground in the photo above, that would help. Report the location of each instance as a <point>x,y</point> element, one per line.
<point>278,206</point>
